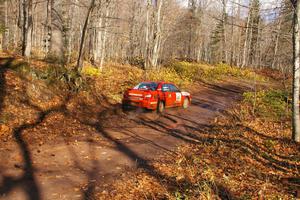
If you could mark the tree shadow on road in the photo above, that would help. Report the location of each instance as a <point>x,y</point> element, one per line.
<point>196,134</point>
<point>232,136</point>
<point>27,181</point>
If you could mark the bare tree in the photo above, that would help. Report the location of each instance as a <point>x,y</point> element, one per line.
<point>149,31</point>
<point>84,30</point>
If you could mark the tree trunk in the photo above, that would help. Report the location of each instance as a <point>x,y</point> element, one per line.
<point>224,38</point>
<point>26,27</point>
<point>56,44</point>
<point>1,42</point>
<point>97,52</point>
<point>28,47</point>
<point>147,42</point>
<point>29,28</point>
<point>192,8</point>
<point>71,31</point>
<point>47,32</point>
<point>157,41</point>
<point>296,73</point>
<point>103,42</point>
<point>245,48</point>
<point>239,32</point>
<point>24,22</point>
<point>232,56</point>
<point>258,45</point>
<point>84,30</point>
<point>5,39</point>
<point>198,34</point>
<point>276,44</point>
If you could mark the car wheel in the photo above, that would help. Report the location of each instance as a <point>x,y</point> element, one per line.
<point>186,103</point>
<point>160,107</point>
<point>124,108</point>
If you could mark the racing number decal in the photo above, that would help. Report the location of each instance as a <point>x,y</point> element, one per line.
<point>178,97</point>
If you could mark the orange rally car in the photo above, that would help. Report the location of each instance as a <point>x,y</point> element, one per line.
<point>156,96</point>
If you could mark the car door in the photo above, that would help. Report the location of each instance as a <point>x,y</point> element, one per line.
<point>168,95</point>
<point>177,95</point>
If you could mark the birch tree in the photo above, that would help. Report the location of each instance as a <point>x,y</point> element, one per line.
<point>251,34</point>
<point>104,38</point>
<point>157,34</point>
<point>153,38</point>
<point>26,27</point>
<point>296,70</point>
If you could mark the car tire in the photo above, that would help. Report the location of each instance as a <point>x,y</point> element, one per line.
<point>160,107</point>
<point>186,103</point>
<point>125,107</point>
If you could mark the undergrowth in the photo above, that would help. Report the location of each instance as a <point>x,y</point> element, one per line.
<point>204,72</point>
<point>115,78</point>
<point>63,77</point>
<point>274,105</point>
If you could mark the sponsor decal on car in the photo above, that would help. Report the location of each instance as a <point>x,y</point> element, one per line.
<point>178,97</point>
<point>138,95</point>
<point>135,98</point>
<point>185,94</point>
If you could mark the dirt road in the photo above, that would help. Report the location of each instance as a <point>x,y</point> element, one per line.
<point>73,168</point>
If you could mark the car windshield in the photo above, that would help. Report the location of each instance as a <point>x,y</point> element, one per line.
<point>146,86</point>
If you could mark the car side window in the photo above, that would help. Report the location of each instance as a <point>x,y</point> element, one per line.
<point>165,88</point>
<point>174,88</point>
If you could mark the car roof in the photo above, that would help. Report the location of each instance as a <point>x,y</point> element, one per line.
<point>157,82</point>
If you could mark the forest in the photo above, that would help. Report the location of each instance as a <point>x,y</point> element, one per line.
<point>256,34</point>
<point>66,67</point>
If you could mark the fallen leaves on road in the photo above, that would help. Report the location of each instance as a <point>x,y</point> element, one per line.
<point>234,159</point>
